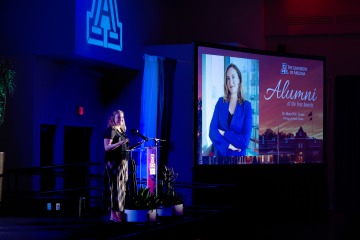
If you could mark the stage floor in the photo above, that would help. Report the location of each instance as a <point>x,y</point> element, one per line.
<point>197,224</point>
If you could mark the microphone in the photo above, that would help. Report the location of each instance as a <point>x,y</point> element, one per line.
<point>135,131</point>
<point>157,139</point>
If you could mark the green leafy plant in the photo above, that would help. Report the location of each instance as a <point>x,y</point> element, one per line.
<point>166,189</point>
<point>139,197</point>
<point>142,199</point>
<point>7,84</point>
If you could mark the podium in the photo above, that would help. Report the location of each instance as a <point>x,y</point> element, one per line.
<point>146,162</point>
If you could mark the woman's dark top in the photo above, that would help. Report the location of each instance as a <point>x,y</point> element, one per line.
<point>119,153</point>
<point>230,118</point>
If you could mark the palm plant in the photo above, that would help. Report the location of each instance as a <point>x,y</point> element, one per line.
<point>7,84</point>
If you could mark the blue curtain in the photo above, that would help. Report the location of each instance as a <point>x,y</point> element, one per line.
<point>156,102</point>
<point>149,97</point>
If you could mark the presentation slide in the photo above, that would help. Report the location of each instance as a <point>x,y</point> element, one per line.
<point>277,116</point>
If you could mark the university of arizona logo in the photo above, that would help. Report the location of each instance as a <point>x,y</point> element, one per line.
<point>103,27</point>
<point>284,69</point>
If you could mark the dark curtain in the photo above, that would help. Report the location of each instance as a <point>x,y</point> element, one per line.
<point>166,92</point>
<point>346,145</point>
<point>329,137</point>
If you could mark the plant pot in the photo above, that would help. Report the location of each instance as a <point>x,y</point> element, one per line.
<point>179,209</point>
<point>163,211</point>
<point>152,215</point>
<point>140,215</point>
<point>2,160</point>
<point>173,210</point>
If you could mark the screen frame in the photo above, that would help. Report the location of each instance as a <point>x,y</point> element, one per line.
<point>239,49</point>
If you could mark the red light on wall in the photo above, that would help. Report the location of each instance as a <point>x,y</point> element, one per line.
<point>80,110</point>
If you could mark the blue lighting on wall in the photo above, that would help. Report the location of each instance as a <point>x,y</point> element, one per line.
<point>103,27</point>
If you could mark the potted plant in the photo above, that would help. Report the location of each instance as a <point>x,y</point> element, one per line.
<point>140,202</point>
<point>171,202</point>
<point>7,84</point>
<point>141,206</point>
<point>7,87</point>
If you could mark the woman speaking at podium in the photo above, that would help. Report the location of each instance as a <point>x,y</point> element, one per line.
<point>116,164</point>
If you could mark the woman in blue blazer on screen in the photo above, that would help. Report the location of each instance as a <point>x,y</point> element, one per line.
<point>231,123</point>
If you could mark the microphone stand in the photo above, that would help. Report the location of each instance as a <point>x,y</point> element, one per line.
<point>157,140</point>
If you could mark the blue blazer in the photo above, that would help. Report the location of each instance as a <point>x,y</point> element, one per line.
<point>239,131</point>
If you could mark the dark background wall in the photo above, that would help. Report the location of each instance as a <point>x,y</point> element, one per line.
<point>52,80</point>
